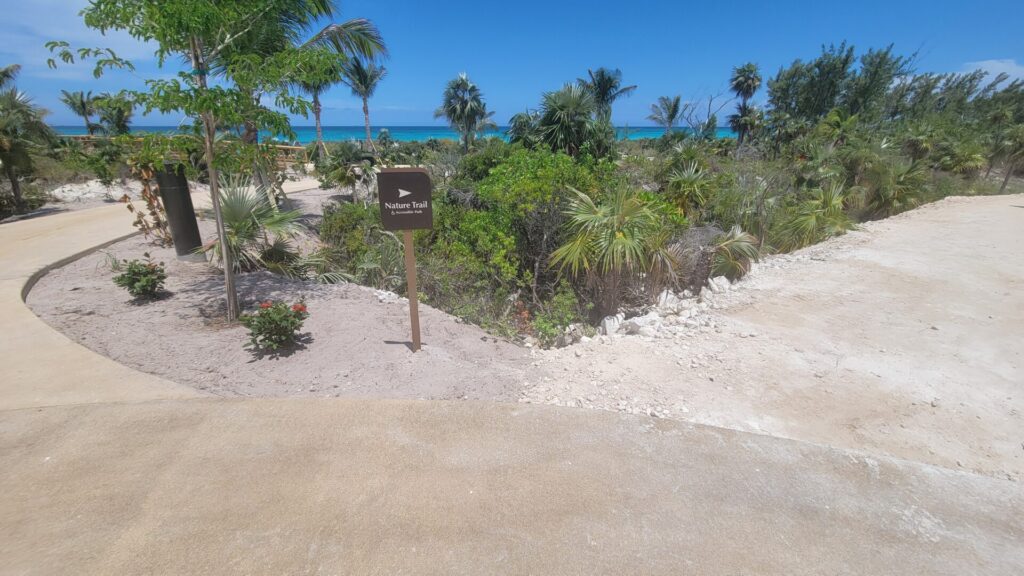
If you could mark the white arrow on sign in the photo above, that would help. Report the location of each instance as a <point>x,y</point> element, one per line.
<point>403,193</point>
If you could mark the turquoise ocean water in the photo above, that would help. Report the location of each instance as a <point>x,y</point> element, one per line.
<point>307,134</point>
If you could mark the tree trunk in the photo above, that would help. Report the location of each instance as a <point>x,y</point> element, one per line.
<point>19,201</point>
<point>209,134</point>
<point>366,122</point>
<point>321,148</point>
<point>1009,173</point>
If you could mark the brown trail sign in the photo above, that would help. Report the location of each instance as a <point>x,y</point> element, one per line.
<point>405,204</point>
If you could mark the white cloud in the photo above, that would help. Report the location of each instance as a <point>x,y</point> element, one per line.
<point>998,66</point>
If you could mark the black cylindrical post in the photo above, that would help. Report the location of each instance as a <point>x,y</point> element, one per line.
<point>181,216</point>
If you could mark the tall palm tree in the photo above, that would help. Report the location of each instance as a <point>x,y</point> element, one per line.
<point>605,86</point>
<point>290,29</point>
<point>666,112</point>
<point>747,119</point>
<point>464,107</point>
<point>362,78</point>
<point>22,128</point>
<point>566,121</point>
<point>83,105</point>
<point>745,82</point>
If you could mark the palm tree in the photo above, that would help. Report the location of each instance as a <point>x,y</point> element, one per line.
<point>613,240</point>
<point>463,105</point>
<point>22,128</point>
<point>353,38</point>
<point>83,105</point>
<point>745,82</point>
<point>605,86</point>
<point>115,114</point>
<point>362,78</point>
<point>1013,152</point>
<point>747,119</point>
<point>8,73</point>
<point>666,112</point>
<point>566,121</point>
<point>524,128</point>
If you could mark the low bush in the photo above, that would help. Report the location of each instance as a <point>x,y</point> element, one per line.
<point>142,278</point>
<point>275,324</point>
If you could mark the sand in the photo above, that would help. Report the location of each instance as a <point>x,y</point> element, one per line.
<point>901,339</point>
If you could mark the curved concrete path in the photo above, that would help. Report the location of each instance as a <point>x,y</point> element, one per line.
<point>108,471</point>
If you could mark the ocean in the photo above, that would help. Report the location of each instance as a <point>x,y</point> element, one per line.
<point>307,134</point>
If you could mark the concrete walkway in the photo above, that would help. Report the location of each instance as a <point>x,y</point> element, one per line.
<point>108,471</point>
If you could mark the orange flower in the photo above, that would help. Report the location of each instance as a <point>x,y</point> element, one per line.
<point>265,305</point>
<point>300,307</point>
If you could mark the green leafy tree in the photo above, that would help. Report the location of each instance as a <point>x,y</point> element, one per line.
<point>22,131</point>
<point>204,33</point>
<point>83,105</point>
<point>605,87</point>
<point>463,106</point>
<point>363,78</point>
<point>666,112</point>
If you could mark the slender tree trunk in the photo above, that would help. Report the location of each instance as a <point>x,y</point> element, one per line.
<point>366,121</point>
<point>19,201</point>
<point>1009,173</point>
<point>209,133</point>
<point>321,148</point>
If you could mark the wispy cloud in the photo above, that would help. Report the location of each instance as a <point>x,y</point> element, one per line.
<point>997,66</point>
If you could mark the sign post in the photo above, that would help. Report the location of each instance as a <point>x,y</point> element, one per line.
<point>405,204</point>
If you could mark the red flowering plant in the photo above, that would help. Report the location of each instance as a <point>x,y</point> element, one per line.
<point>274,324</point>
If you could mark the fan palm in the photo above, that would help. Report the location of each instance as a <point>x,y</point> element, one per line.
<point>612,241</point>
<point>745,121</point>
<point>362,78</point>
<point>895,186</point>
<point>257,232</point>
<point>688,188</point>
<point>735,252</point>
<point>524,128</point>
<point>666,112</point>
<point>566,121</point>
<point>83,105</point>
<point>605,87</point>
<point>22,129</point>
<point>745,81</point>
<point>464,107</point>
<point>817,218</point>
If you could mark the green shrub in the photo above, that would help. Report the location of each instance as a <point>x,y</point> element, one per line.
<point>562,310</point>
<point>275,324</point>
<point>142,278</point>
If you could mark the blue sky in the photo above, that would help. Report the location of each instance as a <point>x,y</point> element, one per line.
<point>515,50</point>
